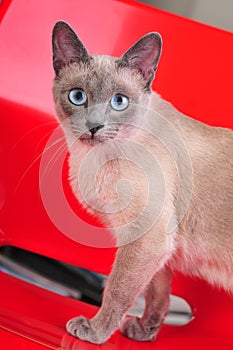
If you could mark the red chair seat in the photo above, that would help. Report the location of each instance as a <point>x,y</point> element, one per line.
<point>195,74</point>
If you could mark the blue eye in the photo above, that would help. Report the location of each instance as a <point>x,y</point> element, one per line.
<point>78,97</point>
<point>119,102</point>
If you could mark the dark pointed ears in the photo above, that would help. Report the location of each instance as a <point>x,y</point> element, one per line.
<point>67,47</point>
<point>144,56</point>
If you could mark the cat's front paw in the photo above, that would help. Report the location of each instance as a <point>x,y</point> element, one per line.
<point>80,327</point>
<point>133,328</point>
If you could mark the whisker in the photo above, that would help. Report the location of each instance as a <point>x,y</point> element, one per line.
<point>53,159</point>
<point>62,138</point>
<point>78,131</point>
<point>110,133</point>
<point>32,130</point>
<point>45,137</point>
<point>35,160</point>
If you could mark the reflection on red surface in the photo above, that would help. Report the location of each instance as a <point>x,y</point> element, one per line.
<point>39,332</point>
<point>195,74</point>
<point>40,316</point>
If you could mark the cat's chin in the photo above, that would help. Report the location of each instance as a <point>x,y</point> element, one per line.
<point>92,141</point>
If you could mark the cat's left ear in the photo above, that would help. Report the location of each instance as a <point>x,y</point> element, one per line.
<point>144,56</point>
<point>67,47</point>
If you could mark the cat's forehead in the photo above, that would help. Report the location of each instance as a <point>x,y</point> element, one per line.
<point>100,76</point>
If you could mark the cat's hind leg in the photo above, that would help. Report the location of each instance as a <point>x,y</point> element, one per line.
<point>157,296</point>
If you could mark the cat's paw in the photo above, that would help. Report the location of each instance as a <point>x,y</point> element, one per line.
<point>133,329</point>
<point>80,327</point>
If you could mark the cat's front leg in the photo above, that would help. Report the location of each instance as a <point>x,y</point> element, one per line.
<point>157,296</point>
<point>134,267</point>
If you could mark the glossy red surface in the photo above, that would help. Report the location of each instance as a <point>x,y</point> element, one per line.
<point>195,74</point>
<point>40,316</point>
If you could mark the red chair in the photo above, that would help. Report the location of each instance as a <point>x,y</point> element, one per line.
<point>195,74</point>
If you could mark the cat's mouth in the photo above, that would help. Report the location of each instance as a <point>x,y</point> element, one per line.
<point>90,139</point>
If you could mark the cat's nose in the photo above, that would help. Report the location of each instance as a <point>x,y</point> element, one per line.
<point>95,129</point>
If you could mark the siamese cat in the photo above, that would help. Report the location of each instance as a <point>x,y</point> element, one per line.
<point>159,180</point>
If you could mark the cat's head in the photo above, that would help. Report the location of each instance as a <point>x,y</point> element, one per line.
<point>98,98</point>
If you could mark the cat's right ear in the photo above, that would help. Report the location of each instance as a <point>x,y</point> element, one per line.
<point>67,47</point>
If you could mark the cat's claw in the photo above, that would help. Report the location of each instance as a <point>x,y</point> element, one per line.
<point>132,328</point>
<point>80,327</point>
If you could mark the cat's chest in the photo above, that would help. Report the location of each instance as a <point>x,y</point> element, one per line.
<point>107,185</point>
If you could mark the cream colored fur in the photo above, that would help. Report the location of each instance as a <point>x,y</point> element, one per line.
<point>173,209</point>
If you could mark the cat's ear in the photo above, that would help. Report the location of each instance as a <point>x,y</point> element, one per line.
<point>67,47</point>
<point>144,56</point>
